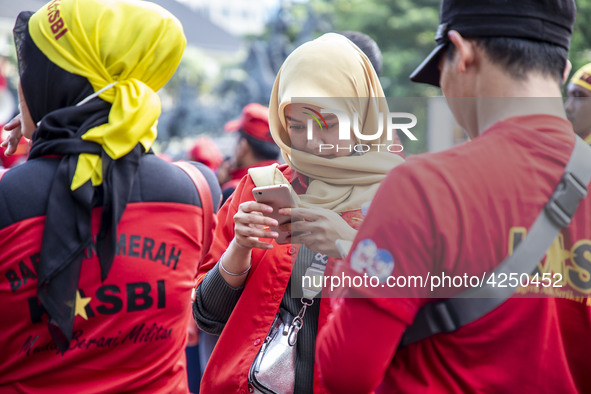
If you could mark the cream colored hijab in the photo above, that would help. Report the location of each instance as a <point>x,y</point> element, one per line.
<point>318,72</point>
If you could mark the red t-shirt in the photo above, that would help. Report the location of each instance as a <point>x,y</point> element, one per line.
<point>143,304</point>
<point>130,330</point>
<point>459,212</point>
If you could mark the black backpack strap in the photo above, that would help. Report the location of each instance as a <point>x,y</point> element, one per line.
<point>470,305</point>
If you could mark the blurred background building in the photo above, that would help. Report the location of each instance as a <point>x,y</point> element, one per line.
<point>239,17</point>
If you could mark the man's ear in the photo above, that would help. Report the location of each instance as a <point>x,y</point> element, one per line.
<point>567,69</point>
<point>243,148</point>
<point>242,144</point>
<point>464,48</point>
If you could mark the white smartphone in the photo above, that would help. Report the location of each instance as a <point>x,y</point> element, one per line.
<point>277,197</point>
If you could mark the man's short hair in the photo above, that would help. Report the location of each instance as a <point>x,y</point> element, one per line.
<point>519,57</point>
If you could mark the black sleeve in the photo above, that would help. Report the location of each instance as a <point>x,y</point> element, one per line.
<point>214,302</point>
<point>159,181</point>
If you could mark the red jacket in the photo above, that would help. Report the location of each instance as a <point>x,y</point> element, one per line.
<point>237,174</point>
<point>247,327</point>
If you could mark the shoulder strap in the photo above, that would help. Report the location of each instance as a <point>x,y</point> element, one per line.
<point>204,195</point>
<point>472,304</point>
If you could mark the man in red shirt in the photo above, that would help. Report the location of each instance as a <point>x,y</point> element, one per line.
<point>254,148</point>
<point>462,211</point>
<point>578,102</point>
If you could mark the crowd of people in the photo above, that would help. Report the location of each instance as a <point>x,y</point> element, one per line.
<point>123,271</point>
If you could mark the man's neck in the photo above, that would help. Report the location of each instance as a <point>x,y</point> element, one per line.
<point>503,97</point>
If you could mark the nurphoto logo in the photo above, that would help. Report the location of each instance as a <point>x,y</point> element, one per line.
<point>393,122</point>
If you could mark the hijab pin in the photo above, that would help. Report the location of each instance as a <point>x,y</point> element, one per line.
<point>97,93</point>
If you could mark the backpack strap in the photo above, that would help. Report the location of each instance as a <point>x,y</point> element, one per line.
<point>449,315</point>
<point>204,195</point>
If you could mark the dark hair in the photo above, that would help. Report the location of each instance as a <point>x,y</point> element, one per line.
<point>46,86</point>
<point>368,46</point>
<point>519,56</point>
<point>262,150</point>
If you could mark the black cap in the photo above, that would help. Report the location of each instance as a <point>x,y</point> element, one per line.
<point>548,21</point>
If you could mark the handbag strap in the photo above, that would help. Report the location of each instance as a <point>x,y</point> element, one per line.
<point>449,315</point>
<point>315,270</point>
<point>205,196</point>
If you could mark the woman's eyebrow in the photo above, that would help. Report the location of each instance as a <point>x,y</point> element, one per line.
<point>328,118</point>
<point>292,119</point>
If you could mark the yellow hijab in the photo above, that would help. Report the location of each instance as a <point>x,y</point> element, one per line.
<point>135,44</point>
<point>583,77</point>
<point>332,72</point>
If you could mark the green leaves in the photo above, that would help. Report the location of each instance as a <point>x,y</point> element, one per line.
<point>404,31</point>
<point>580,50</point>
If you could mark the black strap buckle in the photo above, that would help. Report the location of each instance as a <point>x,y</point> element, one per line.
<point>445,317</point>
<point>565,200</point>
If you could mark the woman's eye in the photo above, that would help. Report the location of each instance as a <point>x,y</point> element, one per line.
<point>332,125</point>
<point>297,127</point>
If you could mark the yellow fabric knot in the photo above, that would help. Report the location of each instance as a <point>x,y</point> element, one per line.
<point>135,43</point>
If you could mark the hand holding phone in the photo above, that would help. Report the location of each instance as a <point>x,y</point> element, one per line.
<point>277,197</point>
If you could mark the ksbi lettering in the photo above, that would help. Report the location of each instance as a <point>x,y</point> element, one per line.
<point>56,22</point>
<point>402,121</point>
<point>134,297</point>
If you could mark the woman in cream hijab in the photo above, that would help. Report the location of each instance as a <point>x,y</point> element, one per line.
<point>247,277</point>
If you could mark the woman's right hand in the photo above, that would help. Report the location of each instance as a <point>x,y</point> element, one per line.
<point>250,224</point>
<point>15,129</point>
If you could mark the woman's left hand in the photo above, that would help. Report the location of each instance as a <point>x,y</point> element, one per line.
<point>317,229</point>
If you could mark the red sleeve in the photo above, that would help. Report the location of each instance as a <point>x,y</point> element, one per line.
<point>357,344</point>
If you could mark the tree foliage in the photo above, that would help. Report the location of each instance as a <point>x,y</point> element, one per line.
<point>405,30</point>
<point>580,51</point>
